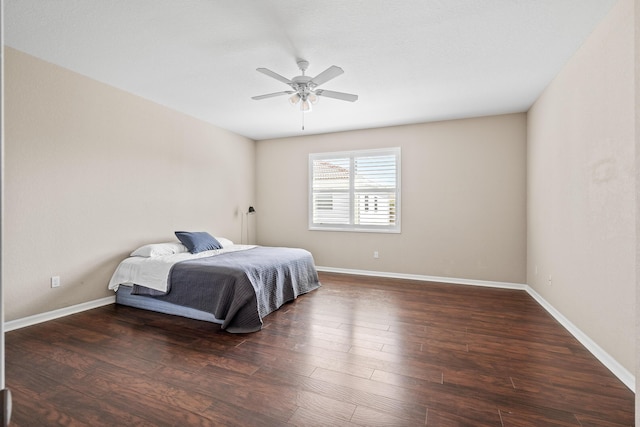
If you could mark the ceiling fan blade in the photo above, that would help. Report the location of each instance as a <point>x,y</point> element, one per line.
<point>274,75</point>
<point>337,95</point>
<point>328,74</point>
<point>271,95</point>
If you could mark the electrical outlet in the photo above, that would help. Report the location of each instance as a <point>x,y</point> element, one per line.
<point>55,281</point>
<point>375,254</point>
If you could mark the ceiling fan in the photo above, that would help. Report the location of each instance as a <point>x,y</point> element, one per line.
<point>304,88</point>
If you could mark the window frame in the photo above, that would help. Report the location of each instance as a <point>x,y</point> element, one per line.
<point>351,226</point>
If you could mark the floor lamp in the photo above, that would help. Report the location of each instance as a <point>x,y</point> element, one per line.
<point>250,211</point>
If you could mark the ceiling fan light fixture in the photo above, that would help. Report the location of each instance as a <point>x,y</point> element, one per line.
<point>294,99</point>
<point>313,98</point>
<point>305,106</point>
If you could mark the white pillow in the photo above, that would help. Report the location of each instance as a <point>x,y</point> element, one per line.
<point>224,242</point>
<point>160,249</point>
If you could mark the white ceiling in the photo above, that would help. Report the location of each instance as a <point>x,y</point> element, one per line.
<point>410,61</point>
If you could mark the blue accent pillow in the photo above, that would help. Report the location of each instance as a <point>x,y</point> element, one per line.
<point>198,241</point>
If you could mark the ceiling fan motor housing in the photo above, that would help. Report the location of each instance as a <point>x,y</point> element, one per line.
<point>302,85</point>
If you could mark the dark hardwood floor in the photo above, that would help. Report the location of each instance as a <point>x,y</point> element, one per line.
<point>357,352</point>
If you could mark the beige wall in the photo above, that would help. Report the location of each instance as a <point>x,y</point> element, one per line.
<point>463,200</point>
<point>91,172</point>
<point>581,188</point>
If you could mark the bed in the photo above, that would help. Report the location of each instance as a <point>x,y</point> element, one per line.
<point>233,285</point>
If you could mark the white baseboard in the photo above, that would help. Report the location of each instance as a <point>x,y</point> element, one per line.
<point>485,283</point>
<point>605,358</point>
<point>55,314</point>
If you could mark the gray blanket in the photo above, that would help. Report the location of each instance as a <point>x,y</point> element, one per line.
<point>240,287</point>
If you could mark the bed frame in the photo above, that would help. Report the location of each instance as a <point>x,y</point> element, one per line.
<point>124,297</point>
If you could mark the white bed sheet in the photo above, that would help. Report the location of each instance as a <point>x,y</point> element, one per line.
<point>153,272</point>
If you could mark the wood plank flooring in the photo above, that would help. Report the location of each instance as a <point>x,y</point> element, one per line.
<point>357,352</point>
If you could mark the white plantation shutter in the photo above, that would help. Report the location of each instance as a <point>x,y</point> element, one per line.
<point>355,190</point>
<point>331,191</point>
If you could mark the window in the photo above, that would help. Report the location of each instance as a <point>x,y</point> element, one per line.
<point>355,191</point>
